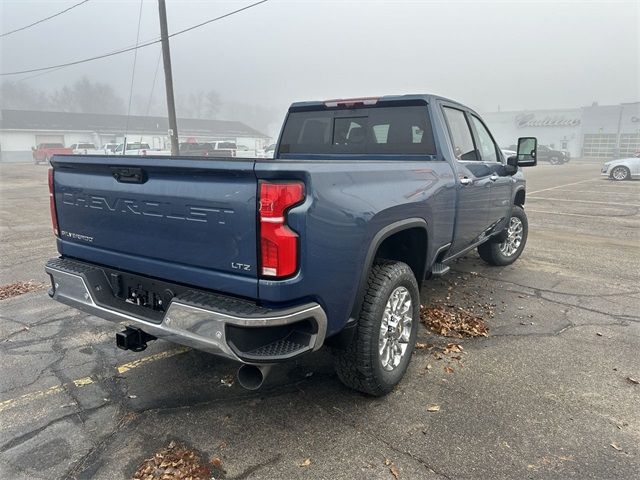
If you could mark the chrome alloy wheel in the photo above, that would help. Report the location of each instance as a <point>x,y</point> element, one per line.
<point>395,329</point>
<point>514,237</point>
<point>619,173</point>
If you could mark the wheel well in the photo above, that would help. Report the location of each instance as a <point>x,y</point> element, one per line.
<point>519,200</point>
<point>408,246</point>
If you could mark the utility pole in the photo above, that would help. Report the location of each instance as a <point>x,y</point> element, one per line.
<point>168,79</point>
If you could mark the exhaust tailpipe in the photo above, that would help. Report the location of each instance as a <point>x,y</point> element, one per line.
<point>252,377</point>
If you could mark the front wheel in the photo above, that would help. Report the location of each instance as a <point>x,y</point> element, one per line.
<point>379,354</point>
<point>554,161</point>
<point>515,237</point>
<point>620,173</point>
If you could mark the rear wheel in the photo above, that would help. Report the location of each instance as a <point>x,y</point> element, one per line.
<point>620,173</point>
<point>515,237</point>
<point>379,354</point>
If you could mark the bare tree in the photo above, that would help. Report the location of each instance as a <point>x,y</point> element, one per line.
<point>21,96</point>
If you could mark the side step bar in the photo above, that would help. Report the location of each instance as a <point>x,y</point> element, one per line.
<point>439,269</point>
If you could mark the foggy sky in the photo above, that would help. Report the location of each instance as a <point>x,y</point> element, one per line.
<point>514,55</point>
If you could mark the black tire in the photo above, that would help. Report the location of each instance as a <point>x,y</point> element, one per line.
<point>620,173</point>
<point>554,161</point>
<point>360,366</point>
<point>493,252</point>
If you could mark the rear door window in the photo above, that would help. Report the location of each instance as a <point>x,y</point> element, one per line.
<point>460,134</point>
<point>400,130</point>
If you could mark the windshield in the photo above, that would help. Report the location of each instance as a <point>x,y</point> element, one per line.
<point>52,145</point>
<point>373,130</point>
<point>86,145</point>
<point>229,145</point>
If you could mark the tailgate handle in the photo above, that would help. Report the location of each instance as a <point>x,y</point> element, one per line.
<point>129,175</point>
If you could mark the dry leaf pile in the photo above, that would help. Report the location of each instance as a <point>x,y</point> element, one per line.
<point>18,288</point>
<point>176,462</point>
<point>452,321</point>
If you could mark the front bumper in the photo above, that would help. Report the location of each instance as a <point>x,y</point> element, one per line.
<point>233,328</point>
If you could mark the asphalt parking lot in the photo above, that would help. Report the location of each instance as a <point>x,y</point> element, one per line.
<point>548,394</point>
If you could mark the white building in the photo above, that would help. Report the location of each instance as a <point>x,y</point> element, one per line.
<point>22,129</point>
<point>598,131</point>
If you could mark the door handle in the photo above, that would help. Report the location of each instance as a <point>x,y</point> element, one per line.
<point>494,177</point>
<point>466,181</point>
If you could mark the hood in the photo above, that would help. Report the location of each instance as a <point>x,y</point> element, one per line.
<point>620,161</point>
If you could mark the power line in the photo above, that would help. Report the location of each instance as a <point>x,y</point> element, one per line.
<point>130,49</point>
<point>43,20</point>
<point>133,74</point>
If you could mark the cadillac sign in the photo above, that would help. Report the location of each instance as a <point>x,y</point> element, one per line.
<point>529,120</point>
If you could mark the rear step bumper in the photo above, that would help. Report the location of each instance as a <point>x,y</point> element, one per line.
<point>225,326</point>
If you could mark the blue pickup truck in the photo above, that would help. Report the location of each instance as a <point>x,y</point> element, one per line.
<point>263,260</point>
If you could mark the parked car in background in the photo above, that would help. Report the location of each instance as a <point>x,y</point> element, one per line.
<point>224,148</point>
<point>508,153</point>
<point>109,148</point>
<point>244,151</point>
<point>191,149</point>
<point>85,149</point>
<point>139,148</point>
<point>44,151</point>
<point>268,152</point>
<point>622,169</point>
<point>546,154</point>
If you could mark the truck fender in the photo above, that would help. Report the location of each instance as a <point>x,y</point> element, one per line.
<point>375,243</point>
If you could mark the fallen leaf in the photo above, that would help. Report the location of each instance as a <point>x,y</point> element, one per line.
<point>421,346</point>
<point>394,471</point>
<point>387,462</point>
<point>616,447</point>
<point>227,380</point>
<point>451,321</point>
<point>216,462</point>
<point>599,334</point>
<point>173,462</point>
<point>633,380</point>
<point>448,369</point>
<point>305,463</point>
<point>433,408</point>
<point>133,396</point>
<point>18,288</point>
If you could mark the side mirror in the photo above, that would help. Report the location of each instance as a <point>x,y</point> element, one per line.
<point>527,149</point>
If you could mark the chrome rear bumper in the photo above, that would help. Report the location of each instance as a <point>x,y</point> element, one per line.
<point>198,319</point>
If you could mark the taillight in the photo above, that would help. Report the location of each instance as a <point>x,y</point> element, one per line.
<point>278,243</point>
<point>52,205</point>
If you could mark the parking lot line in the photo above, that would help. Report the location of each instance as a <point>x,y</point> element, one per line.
<point>583,201</point>
<point>561,213</point>
<point>151,358</point>
<point>84,381</point>
<point>565,185</point>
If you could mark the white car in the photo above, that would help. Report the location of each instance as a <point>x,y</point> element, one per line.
<point>85,149</point>
<point>139,148</point>
<point>268,152</point>
<point>622,169</point>
<point>109,148</point>
<point>508,153</point>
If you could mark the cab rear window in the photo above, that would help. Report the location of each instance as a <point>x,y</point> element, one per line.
<point>400,130</point>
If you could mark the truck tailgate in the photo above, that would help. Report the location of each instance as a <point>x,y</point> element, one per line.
<point>189,221</point>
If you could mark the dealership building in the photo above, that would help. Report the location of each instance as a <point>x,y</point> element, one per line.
<point>598,131</point>
<point>20,130</point>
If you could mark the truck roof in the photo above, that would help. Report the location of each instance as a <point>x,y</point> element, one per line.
<point>428,98</point>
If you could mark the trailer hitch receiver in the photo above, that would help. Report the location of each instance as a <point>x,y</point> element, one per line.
<point>133,339</point>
